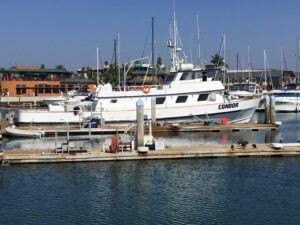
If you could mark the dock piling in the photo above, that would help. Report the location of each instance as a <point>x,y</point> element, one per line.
<point>272,109</point>
<point>267,109</point>
<point>153,111</point>
<point>139,123</point>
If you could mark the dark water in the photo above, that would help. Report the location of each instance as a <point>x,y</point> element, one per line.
<point>198,191</point>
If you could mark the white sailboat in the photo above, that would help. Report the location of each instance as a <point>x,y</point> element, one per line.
<point>186,93</point>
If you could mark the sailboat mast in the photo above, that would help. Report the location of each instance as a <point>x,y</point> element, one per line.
<point>282,59</point>
<point>224,53</point>
<point>97,65</point>
<point>265,66</point>
<point>297,79</point>
<point>198,41</point>
<point>118,59</point>
<point>153,61</point>
<point>249,65</point>
<point>174,39</point>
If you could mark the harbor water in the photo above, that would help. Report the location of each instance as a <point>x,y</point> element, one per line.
<point>187,191</point>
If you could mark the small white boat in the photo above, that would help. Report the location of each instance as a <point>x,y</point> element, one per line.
<point>282,145</point>
<point>15,132</point>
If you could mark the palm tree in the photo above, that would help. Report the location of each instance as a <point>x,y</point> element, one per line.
<point>217,60</point>
<point>60,67</point>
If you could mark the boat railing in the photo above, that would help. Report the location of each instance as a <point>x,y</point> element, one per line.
<point>26,105</point>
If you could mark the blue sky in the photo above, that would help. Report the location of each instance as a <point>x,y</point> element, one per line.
<point>68,31</point>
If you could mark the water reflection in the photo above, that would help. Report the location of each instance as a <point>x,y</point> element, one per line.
<point>289,129</point>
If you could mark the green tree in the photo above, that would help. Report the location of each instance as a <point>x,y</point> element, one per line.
<point>159,62</point>
<point>60,67</point>
<point>218,61</point>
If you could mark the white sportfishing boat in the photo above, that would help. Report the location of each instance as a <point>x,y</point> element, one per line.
<point>244,89</point>
<point>186,93</point>
<point>286,101</point>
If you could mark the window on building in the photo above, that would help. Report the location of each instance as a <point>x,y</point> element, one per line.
<point>21,89</point>
<point>63,88</point>
<point>48,89</point>
<point>181,99</point>
<point>70,87</point>
<point>40,89</point>
<point>202,97</point>
<point>160,101</point>
<point>55,88</point>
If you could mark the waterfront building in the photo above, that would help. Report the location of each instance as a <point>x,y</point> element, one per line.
<point>36,81</point>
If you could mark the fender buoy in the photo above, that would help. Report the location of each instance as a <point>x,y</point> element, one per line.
<point>146,89</point>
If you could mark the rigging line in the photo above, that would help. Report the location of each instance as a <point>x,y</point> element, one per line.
<point>146,40</point>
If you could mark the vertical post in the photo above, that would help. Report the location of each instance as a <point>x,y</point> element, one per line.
<point>153,111</point>
<point>7,98</point>
<point>267,109</point>
<point>68,137</point>
<point>90,130</point>
<point>56,141</point>
<point>139,123</point>
<point>272,109</point>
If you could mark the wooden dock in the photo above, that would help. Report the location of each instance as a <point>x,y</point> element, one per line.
<point>181,152</point>
<point>215,128</point>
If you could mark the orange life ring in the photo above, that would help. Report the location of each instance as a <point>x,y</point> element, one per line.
<point>146,89</point>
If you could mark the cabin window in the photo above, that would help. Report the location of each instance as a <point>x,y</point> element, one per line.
<point>48,89</point>
<point>113,101</point>
<point>55,88</point>
<point>184,76</point>
<point>202,97</point>
<point>169,79</point>
<point>160,101</point>
<point>181,99</point>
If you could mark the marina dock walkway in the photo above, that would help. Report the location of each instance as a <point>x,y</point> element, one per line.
<point>180,152</point>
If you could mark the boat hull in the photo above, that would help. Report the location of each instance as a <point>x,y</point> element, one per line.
<point>236,111</point>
